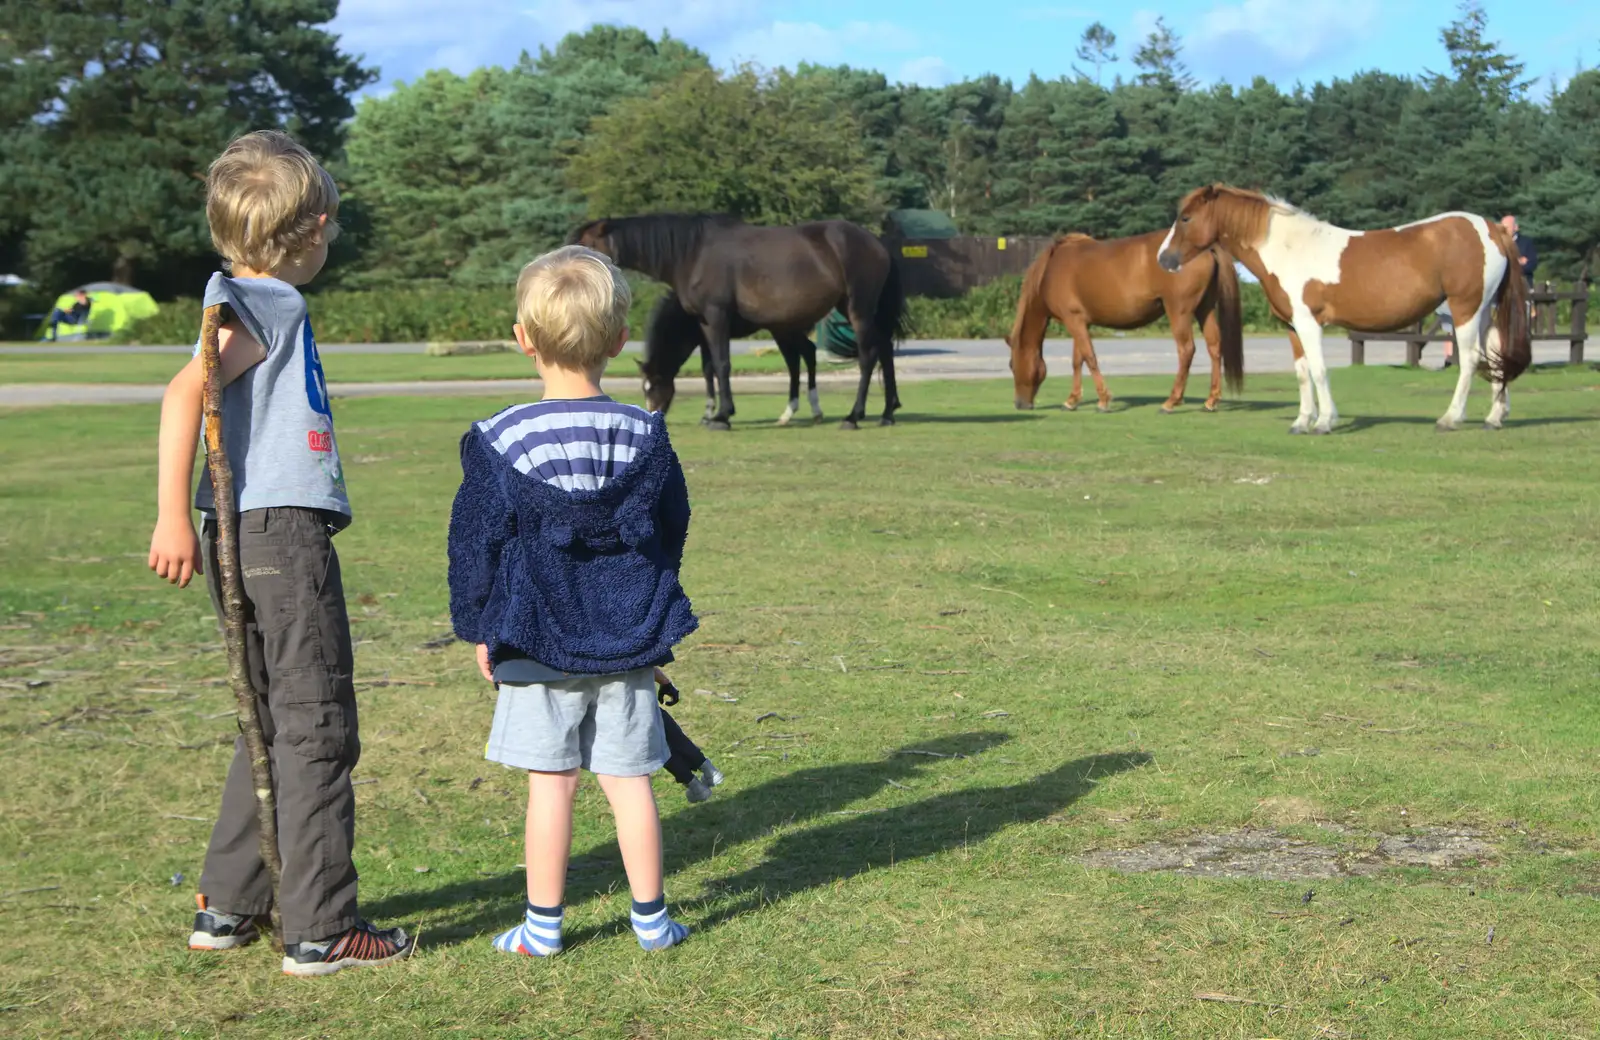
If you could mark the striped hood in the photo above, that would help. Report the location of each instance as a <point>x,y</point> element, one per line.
<point>578,445</point>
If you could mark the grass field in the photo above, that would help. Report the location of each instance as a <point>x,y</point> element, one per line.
<point>340,368</point>
<point>1358,672</point>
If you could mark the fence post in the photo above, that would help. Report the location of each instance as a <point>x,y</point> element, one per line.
<point>1358,349</point>
<point>1580,315</point>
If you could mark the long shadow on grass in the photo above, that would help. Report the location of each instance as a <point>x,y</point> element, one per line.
<point>913,419</point>
<point>1367,422</point>
<point>485,905</point>
<point>819,856</point>
<point>1191,404</point>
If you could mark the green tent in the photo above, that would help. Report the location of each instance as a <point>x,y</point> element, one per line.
<point>112,308</point>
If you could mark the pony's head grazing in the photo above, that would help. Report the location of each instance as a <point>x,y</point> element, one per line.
<point>1217,213</point>
<point>670,337</point>
<point>656,244</point>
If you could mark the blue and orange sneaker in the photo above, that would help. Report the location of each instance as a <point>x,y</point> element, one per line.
<point>215,930</point>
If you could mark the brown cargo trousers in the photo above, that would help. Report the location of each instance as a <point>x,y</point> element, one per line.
<point>297,637</point>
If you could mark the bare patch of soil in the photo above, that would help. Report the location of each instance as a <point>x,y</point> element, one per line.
<point>1267,854</point>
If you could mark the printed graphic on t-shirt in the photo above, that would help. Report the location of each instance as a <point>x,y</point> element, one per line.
<point>320,439</point>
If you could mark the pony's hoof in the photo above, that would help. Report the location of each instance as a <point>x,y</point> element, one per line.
<point>1070,406</point>
<point>1446,426</point>
<point>1210,406</point>
<point>887,420</point>
<point>1166,409</point>
<point>1023,406</point>
<point>1296,430</point>
<point>1102,408</point>
<point>849,424</point>
<point>1321,431</point>
<point>720,425</point>
<point>1493,425</point>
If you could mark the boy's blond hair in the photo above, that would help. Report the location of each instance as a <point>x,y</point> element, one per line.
<point>263,197</point>
<point>573,305</point>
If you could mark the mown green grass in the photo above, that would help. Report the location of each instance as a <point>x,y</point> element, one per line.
<point>1170,610</point>
<point>339,368</point>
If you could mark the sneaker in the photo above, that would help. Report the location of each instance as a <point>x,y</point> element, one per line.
<point>215,930</point>
<point>363,946</point>
<point>696,790</point>
<point>710,774</point>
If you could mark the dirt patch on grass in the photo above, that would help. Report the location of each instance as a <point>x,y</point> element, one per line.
<point>1272,856</point>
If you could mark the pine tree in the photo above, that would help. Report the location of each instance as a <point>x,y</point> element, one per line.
<point>1158,60</point>
<point>1097,47</point>
<point>1560,208</point>
<point>1479,62</point>
<point>110,113</point>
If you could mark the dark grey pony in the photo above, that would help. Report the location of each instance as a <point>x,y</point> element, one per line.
<point>728,279</point>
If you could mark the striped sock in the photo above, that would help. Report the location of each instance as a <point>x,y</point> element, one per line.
<point>654,929</point>
<point>539,934</point>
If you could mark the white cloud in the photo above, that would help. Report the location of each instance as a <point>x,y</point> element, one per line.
<point>928,71</point>
<point>1276,38</point>
<point>1055,14</point>
<point>688,19</point>
<point>790,43</point>
<point>408,37</point>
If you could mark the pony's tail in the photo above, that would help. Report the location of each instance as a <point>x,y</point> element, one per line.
<point>891,321</point>
<point>1511,314</point>
<point>1230,319</point>
<point>1030,302</point>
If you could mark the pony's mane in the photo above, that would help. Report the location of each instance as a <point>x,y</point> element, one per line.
<point>1073,236</point>
<point>1243,212</point>
<point>658,242</point>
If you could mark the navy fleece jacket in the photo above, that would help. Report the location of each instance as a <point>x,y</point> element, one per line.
<point>579,581</point>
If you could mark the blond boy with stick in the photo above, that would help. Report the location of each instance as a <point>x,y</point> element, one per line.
<point>272,212</point>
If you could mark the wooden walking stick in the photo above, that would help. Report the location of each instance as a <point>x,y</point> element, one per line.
<point>232,587</point>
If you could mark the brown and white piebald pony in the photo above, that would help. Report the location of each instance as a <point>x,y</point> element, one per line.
<point>1316,274</point>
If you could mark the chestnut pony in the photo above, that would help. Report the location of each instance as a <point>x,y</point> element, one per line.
<point>1081,281</point>
<point>1316,274</point>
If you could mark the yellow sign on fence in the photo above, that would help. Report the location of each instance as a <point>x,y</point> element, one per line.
<point>1000,243</point>
<point>917,251</point>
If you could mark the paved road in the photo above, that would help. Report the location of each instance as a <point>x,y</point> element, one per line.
<point>918,360</point>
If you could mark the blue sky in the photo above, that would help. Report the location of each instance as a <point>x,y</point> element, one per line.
<point>938,41</point>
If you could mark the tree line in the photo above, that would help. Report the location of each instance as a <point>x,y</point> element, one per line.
<point>107,123</point>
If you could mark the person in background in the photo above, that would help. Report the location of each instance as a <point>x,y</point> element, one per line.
<point>1529,255</point>
<point>77,314</point>
<point>1528,258</point>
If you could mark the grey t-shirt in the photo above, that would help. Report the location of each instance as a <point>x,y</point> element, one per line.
<point>277,425</point>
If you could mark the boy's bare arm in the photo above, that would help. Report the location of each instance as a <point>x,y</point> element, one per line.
<point>174,547</point>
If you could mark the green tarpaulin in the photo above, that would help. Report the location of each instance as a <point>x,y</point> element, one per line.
<point>836,335</point>
<point>919,223</point>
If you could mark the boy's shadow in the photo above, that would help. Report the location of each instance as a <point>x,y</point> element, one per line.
<point>821,856</point>
<point>483,906</point>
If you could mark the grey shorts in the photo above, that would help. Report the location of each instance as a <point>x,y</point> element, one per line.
<point>608,724</point>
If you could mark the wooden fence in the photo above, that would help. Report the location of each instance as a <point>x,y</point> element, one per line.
<point>1546,300</point>
<point>949,267</point>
